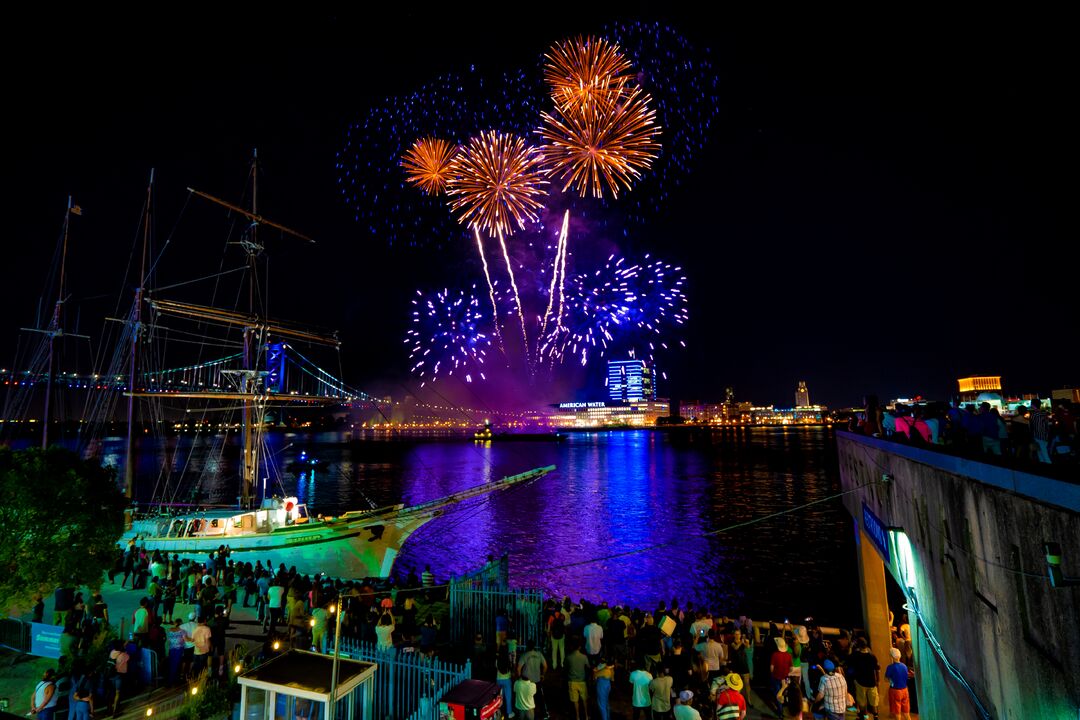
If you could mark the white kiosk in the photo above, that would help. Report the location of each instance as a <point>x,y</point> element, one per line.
<point>296,686</point>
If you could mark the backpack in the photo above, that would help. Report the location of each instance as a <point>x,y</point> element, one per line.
<point>558,630</point>
<point>727,710</point>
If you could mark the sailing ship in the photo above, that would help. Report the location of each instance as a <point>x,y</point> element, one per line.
<point>361,543</point>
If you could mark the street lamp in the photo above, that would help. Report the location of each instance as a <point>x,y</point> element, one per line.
<point>337,611</point>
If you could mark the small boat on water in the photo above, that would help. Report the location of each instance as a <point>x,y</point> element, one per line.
<point>485,434</point>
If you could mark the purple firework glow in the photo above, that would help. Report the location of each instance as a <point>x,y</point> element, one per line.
<point>619,306</point>
<point>448,335</point>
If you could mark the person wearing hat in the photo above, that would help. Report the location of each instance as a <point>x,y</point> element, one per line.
<point>833,689</point>
<point>779,669</point>
<point>898,674</point>
<point>730,704</point>
<point>683,709</point>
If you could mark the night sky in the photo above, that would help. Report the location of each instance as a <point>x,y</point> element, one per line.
<point>880,207</point>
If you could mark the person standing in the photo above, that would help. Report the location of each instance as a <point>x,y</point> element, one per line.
<point>533,666</point>
<point>832,688</point>
<point>660,688</point>
<point>684,710</point>
<point>897,674</point>
<point>641,700</point>
<point>275,596</point>
<point>203,639</point>
<point>557,633</point>
<point>604,675</point>
<point>866,672</point>
<point>177,642</point>
<point>504,671</point>
<point>577,668</point>
<point>525,698</point>
<point>594,635</point>
<point>118,670</point>
<point>1040,432</point>
<point>44,698</point>
<point>730,704</point>
<point>63,601</point>
<point>738,660</point>
<point>189,643</point>
<point>140,621</point>
<point>779,669</point>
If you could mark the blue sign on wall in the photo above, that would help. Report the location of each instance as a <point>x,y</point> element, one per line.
<point>45,640</point>
<point>876,531</point>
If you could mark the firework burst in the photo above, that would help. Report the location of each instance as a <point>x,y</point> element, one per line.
<point>447,335</point>
<point>602,145</point>
<point>584,72</point>
<point>620,305</point>
<point>427,164</point>
<point>497,183</point>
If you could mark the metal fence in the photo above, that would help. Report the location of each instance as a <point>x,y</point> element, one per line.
<point>15,634</point>
<point>406,685</point>
<point>475,605</point>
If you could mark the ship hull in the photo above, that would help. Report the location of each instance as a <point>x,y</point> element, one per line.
<point>354,549</point>
<point>355,545</point>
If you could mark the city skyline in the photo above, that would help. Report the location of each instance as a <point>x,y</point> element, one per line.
<point>856,169</point>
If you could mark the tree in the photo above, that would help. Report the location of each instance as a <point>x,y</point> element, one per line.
<point>60,520</point>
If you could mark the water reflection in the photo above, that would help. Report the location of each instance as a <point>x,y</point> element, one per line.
<point>629,516</point>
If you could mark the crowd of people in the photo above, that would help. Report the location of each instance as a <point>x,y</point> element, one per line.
<point>674,662</point>
<point>1035,433</point>
<point>683,664</point>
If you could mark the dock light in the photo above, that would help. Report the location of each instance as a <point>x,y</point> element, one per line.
<point>311,622</point>
<point>277,645</point>
<point>333,608</point>
<point>237,668</point>
<point>195,690</point>
<point>149,712</point>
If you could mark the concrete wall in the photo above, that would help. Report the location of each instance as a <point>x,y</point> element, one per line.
<point>979,574</point>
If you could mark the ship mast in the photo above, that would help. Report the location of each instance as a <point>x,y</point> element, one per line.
<point>249,382</point>
<point>136,331</point>
<point>55,330</point>
<point>249,379</point>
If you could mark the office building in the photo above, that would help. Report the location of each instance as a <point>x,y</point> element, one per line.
<point>631,381</point>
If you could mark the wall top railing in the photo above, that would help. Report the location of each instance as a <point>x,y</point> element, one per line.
<point>1059,493</point>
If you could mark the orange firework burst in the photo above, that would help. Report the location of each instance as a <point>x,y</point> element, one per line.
<point>600,145</point>
<point>496,181</point>
<point>427,164</point>
<point>585,71</point>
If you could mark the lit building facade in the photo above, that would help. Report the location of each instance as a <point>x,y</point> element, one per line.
<point>809,415</point>
<point>972,387</point>
<point>631,381</point>
<point>601,414</point>
<point>802,395</point>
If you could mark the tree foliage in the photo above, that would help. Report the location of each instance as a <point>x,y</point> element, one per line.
<point>60,520</point>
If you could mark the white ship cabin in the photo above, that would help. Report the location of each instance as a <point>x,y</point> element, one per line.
<point>274,513</point>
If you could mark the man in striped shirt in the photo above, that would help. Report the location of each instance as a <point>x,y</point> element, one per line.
<point>833,688</point>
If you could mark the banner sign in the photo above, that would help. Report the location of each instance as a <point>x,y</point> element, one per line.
<point>876,531</point>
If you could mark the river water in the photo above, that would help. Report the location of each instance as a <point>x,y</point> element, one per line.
<point>628,517</point>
